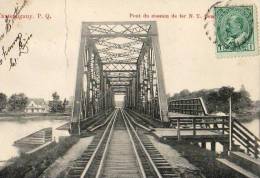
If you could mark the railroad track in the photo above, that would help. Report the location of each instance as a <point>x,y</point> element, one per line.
<point>122,150</point>
<point>158,163</point>
<point>78,169</point>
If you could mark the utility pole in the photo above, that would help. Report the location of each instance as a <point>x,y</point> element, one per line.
<point>230,124</point>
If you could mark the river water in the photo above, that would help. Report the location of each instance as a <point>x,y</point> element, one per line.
<point>253,126</point>
<point>13,130</point>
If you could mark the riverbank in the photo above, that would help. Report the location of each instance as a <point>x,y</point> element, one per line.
<point>203,159</point>
<point>33,165</point>
<point>33,116</point>
<point>59,167</point>
<point>23,114</point>
<point>175,159</point>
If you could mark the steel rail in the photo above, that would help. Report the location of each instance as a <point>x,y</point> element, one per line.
<point>98,146</point>
<point>101,125</point>
<point>100,166</point>
<point>139,125</point>
<point>158,174</point>
<point>134,147</point>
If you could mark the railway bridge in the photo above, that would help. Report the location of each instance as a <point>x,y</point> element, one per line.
<point>123,59</point>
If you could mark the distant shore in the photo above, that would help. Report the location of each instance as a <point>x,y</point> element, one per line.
<point>10,116</point>
<point>247,117</point>
<point>14,116</point>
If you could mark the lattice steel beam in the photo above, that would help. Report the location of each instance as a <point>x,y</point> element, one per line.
<point>119,71</point>
<point>119,57</point>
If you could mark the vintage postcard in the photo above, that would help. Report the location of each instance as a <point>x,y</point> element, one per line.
<point>129,89</point>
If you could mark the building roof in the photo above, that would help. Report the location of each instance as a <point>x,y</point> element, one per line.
<point>37,101</point>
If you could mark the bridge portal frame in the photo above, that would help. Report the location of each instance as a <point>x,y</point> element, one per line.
<point>94,91</point>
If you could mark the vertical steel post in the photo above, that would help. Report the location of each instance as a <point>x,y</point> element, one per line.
<point>259,127</point>
<point>230,124</point>
<point>160,79</point>
<point>178,129</point>
<point>105,93</point>
<point>213,146</point>
<point>133,83</point>
<point>194,126</point>
<point>76,112</point>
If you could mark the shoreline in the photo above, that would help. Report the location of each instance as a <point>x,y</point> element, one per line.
<point>66,116</point>
<point>6,114</point>
<point>34,117</point>
<point>247,118</point>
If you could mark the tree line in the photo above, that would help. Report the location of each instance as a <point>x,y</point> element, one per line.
<point>216,100</point>
<point>57,105</point>
<point>18,103</point>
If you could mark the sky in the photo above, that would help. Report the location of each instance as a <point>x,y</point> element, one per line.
<point>188,57</point>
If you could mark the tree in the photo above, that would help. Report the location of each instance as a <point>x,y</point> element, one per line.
<point>55,96</point>
<point>17,102</point>
<point>212,101</point>
<point>245,98</point>
<point>64,104</point>
<point>3,101</point>
<point>241,100</point>
<point>216,100</point>
<point>225,93</point>
<point>184,93</point>
<point>56,105</point>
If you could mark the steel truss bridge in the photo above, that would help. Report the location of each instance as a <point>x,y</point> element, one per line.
<point>123,58</point>
<point>119,58</point>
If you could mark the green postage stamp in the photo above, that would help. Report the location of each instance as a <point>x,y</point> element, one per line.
<point>236,31</point>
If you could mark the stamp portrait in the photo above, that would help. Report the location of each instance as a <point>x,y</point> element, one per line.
<point>236,33</point>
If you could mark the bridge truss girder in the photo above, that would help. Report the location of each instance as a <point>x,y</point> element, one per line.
<point>119,58</point>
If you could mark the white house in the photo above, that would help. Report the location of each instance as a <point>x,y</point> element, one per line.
<point>36,105</point>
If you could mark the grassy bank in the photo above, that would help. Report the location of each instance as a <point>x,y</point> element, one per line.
<point>204,159</point>
<point>33,165</point>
